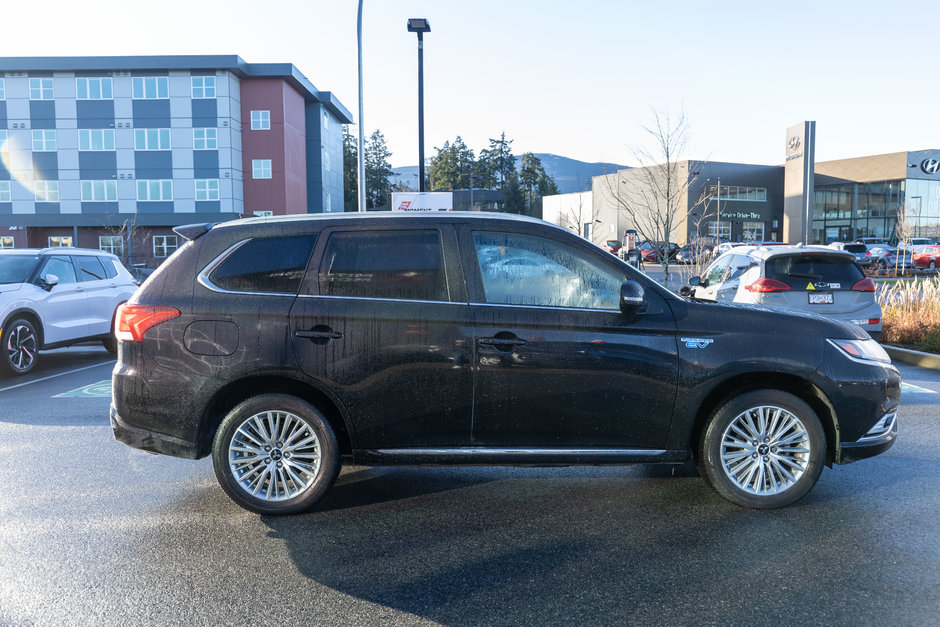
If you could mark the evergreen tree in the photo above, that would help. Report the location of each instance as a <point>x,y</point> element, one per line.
<point>378,170</point>
<point>513,197</point>
<point>452,166</point>
<point>350,171</point>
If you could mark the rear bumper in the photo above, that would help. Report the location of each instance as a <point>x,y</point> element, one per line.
<point>150,441</point>
<point>878,440</point>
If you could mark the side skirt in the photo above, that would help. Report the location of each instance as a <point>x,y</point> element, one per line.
<point>515,456</point>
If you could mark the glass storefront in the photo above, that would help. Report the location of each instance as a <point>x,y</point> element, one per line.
<point>848,211</point>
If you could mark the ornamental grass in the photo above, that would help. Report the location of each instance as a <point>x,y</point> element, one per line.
<point>910,313</point>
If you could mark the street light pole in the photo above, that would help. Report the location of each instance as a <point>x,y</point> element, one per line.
<point>420,26</point>
<point>362,147</point>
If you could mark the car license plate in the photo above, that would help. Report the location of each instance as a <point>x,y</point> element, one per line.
<point>820,298</point>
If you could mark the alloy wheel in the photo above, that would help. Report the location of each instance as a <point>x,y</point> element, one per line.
<point>274,455</point>
<point>765,450</point>
<point>21,347</point>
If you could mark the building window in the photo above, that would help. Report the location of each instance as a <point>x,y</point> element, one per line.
<point>205,139</point>
<point>93,88</point>
<point>94,139</point>
<point>99,191</point>
<point>155,190</point>
<point>5,192</point>
<point>40,89</point>
<point>326,161</point>
<point>59,241</point>
<point>113,244</point>
<point>151,139</point>
<point>263,214</point>
<point>739,192</point>
<point>46,191</point>
<point>753,232</point>
<point>326,120</point>
<point>327,202</point>
<point>149,87</point>
<point>6,241</point>
<point>3,90</point>
<point>3,140</point>
<point>44,140</point>
<point>207,189</point>
<point>203,87</point>
<point>260,168</point>
<point>719,229</point>
<point>260,120</point>
<point>164,245</point>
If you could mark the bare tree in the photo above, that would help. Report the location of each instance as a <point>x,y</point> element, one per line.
<point>574,218</point>
<point>654,195</point>
<point>904,230</point>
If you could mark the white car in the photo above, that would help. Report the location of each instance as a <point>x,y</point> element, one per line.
<point>57,297</point>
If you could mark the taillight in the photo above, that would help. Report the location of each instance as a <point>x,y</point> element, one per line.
<point>767,285</point>
<point>135,320</point>
<point>865,285</point>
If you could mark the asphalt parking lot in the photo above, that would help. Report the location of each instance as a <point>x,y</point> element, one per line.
<point>93,532</point>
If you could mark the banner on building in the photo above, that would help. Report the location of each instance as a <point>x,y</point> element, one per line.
<point>422,201</point>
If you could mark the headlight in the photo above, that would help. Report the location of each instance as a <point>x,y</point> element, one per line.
<point>861,350</point>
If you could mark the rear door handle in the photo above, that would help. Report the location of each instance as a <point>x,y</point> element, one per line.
<point>501,343</point>
<point>319,333</point>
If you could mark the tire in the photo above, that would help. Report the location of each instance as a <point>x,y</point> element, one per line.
<point>759,473</point>
<point>20,346</point>
<point>110,344</point>
<point>284,479</point>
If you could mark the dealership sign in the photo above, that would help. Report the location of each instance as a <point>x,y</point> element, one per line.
<point>930,166</point>
<point>793,148</point>
<point>422,201</point>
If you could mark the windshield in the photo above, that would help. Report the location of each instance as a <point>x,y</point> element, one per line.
<point>16,268</point>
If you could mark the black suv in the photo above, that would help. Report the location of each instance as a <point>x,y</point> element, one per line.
<point>282,346</point>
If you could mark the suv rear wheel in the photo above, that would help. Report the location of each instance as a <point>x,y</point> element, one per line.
<point>763,449</point>
<point>275,454</point>
<point>20,345</point>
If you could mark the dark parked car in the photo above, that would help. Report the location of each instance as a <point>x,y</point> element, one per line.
<point>283,346</point>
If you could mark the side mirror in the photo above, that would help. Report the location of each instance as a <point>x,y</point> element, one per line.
<point>50,280</point>
<point>631,298</point>
<point>695,281</point>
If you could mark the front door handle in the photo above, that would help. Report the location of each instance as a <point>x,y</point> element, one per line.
<point>501,343</point>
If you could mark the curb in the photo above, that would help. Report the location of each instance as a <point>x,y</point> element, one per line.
<point>924,360</point>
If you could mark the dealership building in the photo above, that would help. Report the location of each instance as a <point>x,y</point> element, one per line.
<point>799,201</point>
<point>112,152</point>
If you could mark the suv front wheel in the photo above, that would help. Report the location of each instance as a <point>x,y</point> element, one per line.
<point>763,449</point>
<point>275,454</point>
<point>20,345</point>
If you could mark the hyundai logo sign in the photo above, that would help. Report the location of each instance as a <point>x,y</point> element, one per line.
<point>794,143</point>
<point>930,166</point>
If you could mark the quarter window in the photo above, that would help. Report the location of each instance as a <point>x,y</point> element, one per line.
<point>405,265</point>
<point>203,87</point>
<point>260,120</point>
<point>90,268</point>
<point>152,139</point>
<point>44,140</point>
<point>269,264</point>
<point>164,245</point>
<point>93,88</point>
<point>205,139</point>
<point>526,270</point>
<point>40,89</point>
<point>95,139</point>
<point>150,87</point>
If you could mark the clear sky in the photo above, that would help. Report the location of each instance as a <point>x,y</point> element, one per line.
<point>576,78</point>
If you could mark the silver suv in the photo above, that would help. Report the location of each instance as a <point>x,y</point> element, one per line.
<point>816,279</point>
<point>57,297</point>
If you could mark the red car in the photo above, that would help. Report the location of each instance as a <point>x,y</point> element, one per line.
<point>613,246</point>
<point>652,251</point>
<point>926,257</point>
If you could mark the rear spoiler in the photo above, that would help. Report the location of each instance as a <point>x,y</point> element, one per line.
<point>192,231</point>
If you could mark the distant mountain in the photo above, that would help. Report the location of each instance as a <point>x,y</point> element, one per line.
<point>570,175</point>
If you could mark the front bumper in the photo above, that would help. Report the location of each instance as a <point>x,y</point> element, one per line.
<point>150,441</point>
<point>878,440</point>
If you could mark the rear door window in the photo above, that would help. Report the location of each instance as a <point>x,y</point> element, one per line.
<point>401,265</point>
<point>271,265</point>
<point>814,271</point>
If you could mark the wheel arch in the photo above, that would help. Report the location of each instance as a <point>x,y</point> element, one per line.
<point>801,388</point>
<point>30,315</point>
<point>234,392</point>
